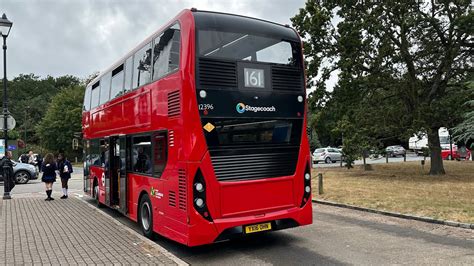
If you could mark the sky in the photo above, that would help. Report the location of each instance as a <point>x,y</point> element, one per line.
<point>80,37</point>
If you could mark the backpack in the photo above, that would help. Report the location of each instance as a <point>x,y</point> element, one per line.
<point>69,166</point>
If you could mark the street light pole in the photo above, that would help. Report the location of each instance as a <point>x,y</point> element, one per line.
<point>5,96</point>
<point>5,26</point>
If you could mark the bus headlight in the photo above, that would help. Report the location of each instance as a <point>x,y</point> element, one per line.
<point>199,202</point>
<point>202,94</point>
<point>199,187</point>
<point>306,187</point>
<point>199,196</point>
<point>307,176</point>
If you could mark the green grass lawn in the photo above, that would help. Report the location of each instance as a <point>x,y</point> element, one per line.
<point>405,188</point>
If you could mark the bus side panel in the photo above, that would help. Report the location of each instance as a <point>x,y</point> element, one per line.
<point>113,116</point>
<point>153,187</point>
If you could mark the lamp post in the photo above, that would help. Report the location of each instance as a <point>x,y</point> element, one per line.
<point>5,27</point>
<point>27,111</point>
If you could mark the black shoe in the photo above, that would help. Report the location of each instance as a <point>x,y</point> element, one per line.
<point>46,199</point>
<point>63,197</point>
<point>51,198</point>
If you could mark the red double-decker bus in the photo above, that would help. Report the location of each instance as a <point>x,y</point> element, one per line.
<point>199,134</point>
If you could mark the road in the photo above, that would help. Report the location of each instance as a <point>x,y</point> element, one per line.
<point>337,236</point>
<point>410,157</point>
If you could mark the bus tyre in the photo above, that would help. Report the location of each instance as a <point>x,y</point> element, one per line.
<point>96,197</point>
<point>145,216</point>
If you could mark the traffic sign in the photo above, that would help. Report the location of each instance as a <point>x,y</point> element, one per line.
<point>11,123</point>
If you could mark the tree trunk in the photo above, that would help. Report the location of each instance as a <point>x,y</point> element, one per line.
<point>437,167</point>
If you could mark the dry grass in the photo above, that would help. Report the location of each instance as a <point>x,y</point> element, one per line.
<point>404,188</point>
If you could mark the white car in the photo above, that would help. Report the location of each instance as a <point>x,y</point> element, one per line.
<point>327,155</point>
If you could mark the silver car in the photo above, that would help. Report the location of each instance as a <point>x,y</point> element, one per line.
<point>22,172</point>
<point>396,150</point>
<point>327,155</point>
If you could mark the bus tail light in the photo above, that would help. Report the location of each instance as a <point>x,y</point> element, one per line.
<point>306,186</point>
<point>199,196</point>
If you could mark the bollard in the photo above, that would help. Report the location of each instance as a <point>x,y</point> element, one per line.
<point>342,159</point>
<point>386,158</point>
<point>405,157</point>
<point>423,164</point>
<point>320,184</point>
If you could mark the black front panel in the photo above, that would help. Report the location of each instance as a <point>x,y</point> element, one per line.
<point>249,104</point>
<point>250,91</point>
<point>245,149</point>
<point>226,95</point>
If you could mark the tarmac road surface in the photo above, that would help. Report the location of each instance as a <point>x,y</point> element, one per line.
<point>337,236</point>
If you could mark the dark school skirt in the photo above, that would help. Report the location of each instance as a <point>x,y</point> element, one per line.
<point>48,179</point>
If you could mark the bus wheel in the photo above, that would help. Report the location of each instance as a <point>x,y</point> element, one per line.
<point>96,197</point>
<point>145,216</point>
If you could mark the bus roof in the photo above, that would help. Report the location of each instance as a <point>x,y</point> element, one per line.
<point>208,20</point>
<point>215,20</point>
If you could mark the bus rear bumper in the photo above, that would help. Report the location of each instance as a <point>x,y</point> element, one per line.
<point>230,228</point>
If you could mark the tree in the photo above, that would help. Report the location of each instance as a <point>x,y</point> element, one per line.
<point>464,131</point>
<point>29,96</point>
<point>62,120</point>
<point>401,63</point>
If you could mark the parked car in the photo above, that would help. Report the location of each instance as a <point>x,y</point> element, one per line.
<point>327,155</point>
<point>23,173</point>
<point>395,151</point>
<point>457,154</point>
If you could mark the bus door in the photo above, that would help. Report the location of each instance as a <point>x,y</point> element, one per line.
<point>122,175</point>
<point>116,187</point>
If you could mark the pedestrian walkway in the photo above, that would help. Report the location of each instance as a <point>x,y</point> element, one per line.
<point>70,231</point>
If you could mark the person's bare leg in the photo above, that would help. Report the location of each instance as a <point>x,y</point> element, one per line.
<point>48,191</point>
<point>51,190</point>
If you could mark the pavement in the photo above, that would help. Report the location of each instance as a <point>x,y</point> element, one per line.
<point>70,231</point>
<point>74,231</point>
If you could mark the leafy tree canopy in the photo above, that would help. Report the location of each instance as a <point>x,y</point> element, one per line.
<point>402,66</point>
<point>29,97</point>
<point>62,120</point>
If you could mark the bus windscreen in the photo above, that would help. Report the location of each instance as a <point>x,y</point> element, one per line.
<point>253,132</point>
<point>246,47</point>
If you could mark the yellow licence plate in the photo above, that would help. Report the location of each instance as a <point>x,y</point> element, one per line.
<point>258,228</point>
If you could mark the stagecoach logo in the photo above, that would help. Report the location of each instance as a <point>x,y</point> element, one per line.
<point>155,193</point>
<point>242,108</point>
